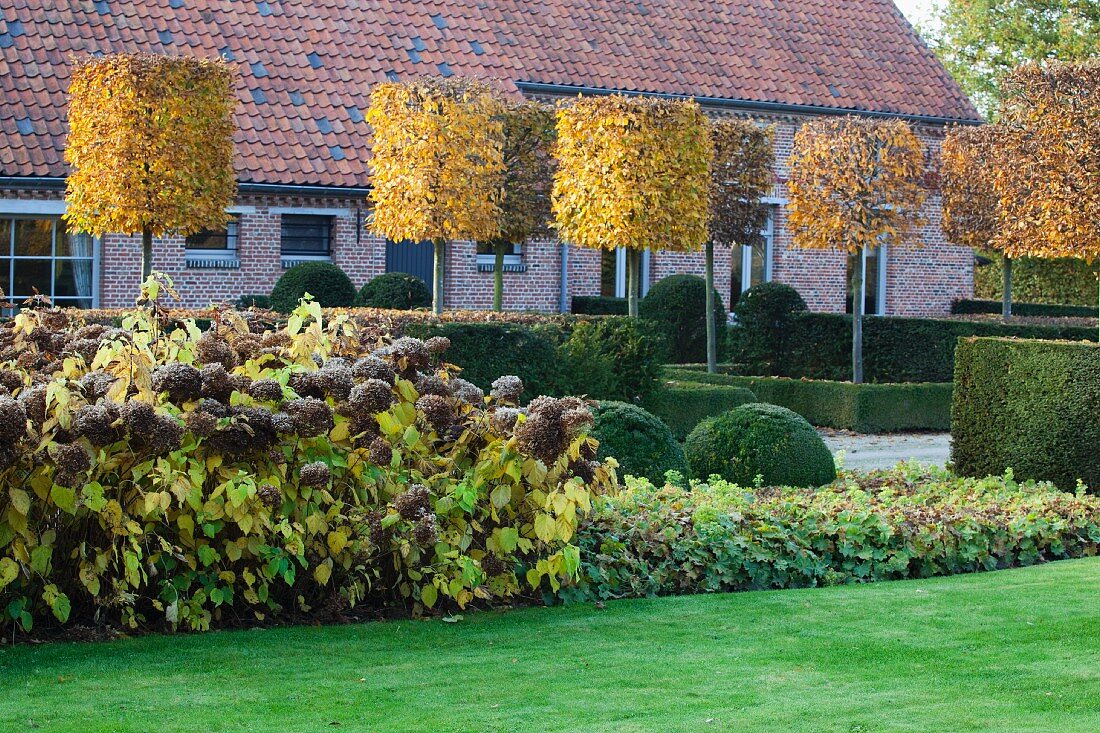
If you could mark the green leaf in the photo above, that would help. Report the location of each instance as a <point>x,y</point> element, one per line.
<point>545,527</point>
<point>509,538</point>
<point>428,595</point>
<point>9,571</point>
<point>21,500</point>
<point>412,436</point>
<point>64,498</point>
<point>92,495</point>
<point>40,559</point>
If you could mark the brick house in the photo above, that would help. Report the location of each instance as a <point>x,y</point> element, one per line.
<point>305,72</point>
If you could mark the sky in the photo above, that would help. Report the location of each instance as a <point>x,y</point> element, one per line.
<point>919,12</point>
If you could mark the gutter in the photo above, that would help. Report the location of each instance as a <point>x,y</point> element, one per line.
<point>47,183</point>
<point>743,105</point>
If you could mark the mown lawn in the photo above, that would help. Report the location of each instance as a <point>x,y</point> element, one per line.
<point>1009,651</point>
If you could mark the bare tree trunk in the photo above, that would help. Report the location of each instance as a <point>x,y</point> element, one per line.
<point>633,273</point>
<point>857,320</point>
<point>440,248</point>
<point>712,331</point>
<point>498,276</point>
<point>1006,287</point>
<point>146,253</point>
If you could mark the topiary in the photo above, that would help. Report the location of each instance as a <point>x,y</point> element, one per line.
<point>759,439</point>
<point>641,443</point>
<point>677,303</point>
<point>764,316</point>
<point>326,282</point>
<point>395,290</point>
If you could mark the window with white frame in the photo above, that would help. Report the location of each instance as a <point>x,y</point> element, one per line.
<point>752,264</point>
<point>39,254</point>
<point>613,273</point>
<point>487,257</point>
<point>214,247</point>
<point>873,262</point>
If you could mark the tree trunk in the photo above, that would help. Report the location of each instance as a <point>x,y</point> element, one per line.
<point>857,319</point>
<point>498,276</point>
<point>712,330</point>
<point>146,254</point>
<point>440,248</point>
<point>1006,288</point>
<point>633,272</point>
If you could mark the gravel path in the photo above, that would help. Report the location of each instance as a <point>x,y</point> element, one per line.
<point>868,452</point>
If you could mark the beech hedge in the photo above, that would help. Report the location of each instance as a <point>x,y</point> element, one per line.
<point>1029,406</point>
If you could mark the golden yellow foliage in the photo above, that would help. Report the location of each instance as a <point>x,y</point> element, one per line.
<point>741,174</point>
<point>437,160</point>
<point>529,130</point>
<point>150,145</point>
<point>1046,179</point>
<point>970,205</point>
<point>853,182</point>
<point>632,172</point>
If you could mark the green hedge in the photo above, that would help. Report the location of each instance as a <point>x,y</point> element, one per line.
<point>904,523</point>
<point>1040,310</point>
<point>683,405</point>
<point>894,349</point>
<point>864,408</point>
<point>1033,406</point>
<point>599,305</point>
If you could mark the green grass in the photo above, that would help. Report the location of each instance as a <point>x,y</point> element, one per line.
<point>1009,651</point>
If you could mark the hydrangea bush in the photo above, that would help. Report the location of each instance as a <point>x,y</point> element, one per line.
<point>165,477</point>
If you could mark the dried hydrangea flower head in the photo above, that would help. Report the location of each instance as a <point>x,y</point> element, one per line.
<point>371,397</point>
<point>311,416</point>
<point>182,382</point>
<point>507,389</point>
<point>437,411</point>
<point>315,475</point>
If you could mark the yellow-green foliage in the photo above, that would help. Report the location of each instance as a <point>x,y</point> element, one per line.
<point>178,478</point>
<point>150,144</point>
<point>854,181</point>
<point>632,172</point>
<point>436,160</point>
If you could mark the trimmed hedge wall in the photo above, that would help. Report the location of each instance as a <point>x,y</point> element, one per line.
<point>864,408</point>
<point>894,349</point>
<point>1032,406</point>
<point>683,405</point>
<point>599,305</point>
<point>1041,310</point>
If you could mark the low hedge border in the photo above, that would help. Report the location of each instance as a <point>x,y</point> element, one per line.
<point>1032,406</point>
<point>863,408</point>
<point>1042,310</point>
<point>683,405</point>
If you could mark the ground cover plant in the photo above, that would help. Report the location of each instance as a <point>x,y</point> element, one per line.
<point>992,652</point>
<point>175,478</point>
<point>910,522</point>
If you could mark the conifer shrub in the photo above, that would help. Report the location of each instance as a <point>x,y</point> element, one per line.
<point>394,290</point>
<point>324,281</point>
<point>642,445</point>
<point>157,478</point>
<point>677,304</point>
<point>759,442</point>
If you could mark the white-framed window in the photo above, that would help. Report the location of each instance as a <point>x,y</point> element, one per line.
<point>613,273</point>
<point>305,238</point>
<point>487,258</point>
<point>214,248</point>
<point>752,264</point>
<point>873,261</point>
<point>38,253</point>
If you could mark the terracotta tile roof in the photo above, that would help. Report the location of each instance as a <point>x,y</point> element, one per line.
<point>306,66</point>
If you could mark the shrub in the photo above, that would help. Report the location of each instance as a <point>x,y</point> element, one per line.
<point>762,440</point>
<point>484,351</point>
<point>893,525</point>
<point>197,478</point>
<point>613,358</point>
<point>395,290</point>
<point>638,440</point>
<point>254,301</point>
<point>1032,406</point>
<point>677,304</point>
<point>764,315</point>
<point>683,405</point>
<point>864,408</point>
<point>598,305</point>
<point>819,346</point>
<point>326,282</point>
<point>1036,280</point>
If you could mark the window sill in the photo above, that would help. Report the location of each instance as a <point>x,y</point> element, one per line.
<point>510,265</point>
<point>197,261</point>
<point>290,261</point>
